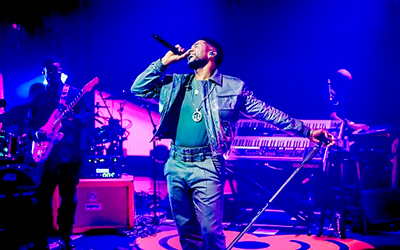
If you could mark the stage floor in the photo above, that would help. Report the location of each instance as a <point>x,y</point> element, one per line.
<point>259,237</point>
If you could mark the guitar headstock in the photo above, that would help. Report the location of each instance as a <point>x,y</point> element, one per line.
<point>88,87</point>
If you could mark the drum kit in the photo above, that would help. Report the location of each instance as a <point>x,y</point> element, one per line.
<point>18,181</point>
<point>10,146</point>
<point>17,171</point>
<point>108,138</point>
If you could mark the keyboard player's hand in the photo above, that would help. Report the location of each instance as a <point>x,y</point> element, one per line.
<point>317,135</point>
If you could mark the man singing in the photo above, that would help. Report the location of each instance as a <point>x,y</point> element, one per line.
<point>198,112</point>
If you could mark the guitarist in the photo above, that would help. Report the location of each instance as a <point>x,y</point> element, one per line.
<point>62,165</point>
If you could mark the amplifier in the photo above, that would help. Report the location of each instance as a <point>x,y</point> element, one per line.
<point>103,166</point>
<point>101,204</point>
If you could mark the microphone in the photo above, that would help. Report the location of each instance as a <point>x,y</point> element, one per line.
<point>167,44</point>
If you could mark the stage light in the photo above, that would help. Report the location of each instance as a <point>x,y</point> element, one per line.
<point>18,27</point>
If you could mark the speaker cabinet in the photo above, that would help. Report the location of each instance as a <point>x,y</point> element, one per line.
<point>102,203</point>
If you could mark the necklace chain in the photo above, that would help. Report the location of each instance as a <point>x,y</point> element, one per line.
<point>197,116</point>
<point>201,103</point>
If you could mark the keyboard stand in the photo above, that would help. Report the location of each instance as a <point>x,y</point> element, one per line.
<point>348,166</point>
<point>307,159</point>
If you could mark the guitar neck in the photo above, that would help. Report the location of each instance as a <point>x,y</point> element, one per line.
<point>69,107</point>
<point>88,87</point>
<point>72,104</point>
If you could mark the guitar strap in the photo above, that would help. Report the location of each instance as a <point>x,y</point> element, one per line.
<point>63,97</point>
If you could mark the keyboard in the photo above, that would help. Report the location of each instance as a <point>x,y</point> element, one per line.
<point>256,140</point>
<point>247,127</point>
<point>292,149</point>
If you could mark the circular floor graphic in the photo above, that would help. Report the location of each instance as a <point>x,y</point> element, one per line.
<point>169,240</point>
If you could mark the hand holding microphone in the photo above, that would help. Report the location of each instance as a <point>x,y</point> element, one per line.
<point>175,53</point>
<point>322,136</point>
<point>170,57</point>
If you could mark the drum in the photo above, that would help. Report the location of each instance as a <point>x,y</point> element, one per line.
<point>17,179</point>
<point>102,135</point>
<point>109,133</point>
<point>97,150</point>
<point>9,146</point>
<point>18,183</point>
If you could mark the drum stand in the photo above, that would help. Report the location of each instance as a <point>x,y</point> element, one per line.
<point>307,159</point>
<point>115,128</point>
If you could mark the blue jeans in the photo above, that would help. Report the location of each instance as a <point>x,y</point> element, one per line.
<point>196,196</point>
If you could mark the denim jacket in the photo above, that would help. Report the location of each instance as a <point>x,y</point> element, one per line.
<point>228,98</point>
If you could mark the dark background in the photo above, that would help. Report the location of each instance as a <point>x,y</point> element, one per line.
<point>284,49</point>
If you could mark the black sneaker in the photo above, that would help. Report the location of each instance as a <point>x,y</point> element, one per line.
<point>66,244</point>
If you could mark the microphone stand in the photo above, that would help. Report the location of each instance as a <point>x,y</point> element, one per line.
<point>307,159</point>
<point>105,104</point>
<point>155,220</point>
<point>110,119</point>
<point>120,136</point>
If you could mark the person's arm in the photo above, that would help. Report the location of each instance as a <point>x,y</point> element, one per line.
<point>334,116</point>
<point>148,83</point>
<point>357,127</point>
<point>32,130</point>
<point>259,110</point>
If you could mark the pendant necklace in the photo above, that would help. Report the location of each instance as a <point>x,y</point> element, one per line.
<point>197,116</point>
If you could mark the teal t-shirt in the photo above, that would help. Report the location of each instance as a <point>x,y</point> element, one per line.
<point>190,133</point>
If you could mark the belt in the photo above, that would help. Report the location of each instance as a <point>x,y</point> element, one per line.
<point>190,154</point>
